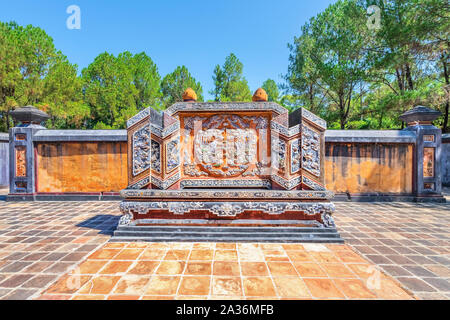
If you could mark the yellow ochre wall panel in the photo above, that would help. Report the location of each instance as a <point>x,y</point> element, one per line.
<point>102,167</point>
<point>82,166</point>
<point>369,168</point>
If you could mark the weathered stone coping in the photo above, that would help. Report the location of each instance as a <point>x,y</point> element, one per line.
<point>360,136</point>
<point>80,135</point>
<point>370,136</point>
<point>226,194</point>
<point>446,138</point>
<point>4,137</point>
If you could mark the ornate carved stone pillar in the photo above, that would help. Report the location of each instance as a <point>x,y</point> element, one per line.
<point>21,150</point>
<point>427,154</point>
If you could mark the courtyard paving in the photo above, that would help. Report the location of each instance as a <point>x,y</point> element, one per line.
<point>60,250</point>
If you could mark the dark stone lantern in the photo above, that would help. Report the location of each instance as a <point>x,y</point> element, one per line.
<point>420,115</point>
<point>29,115</point>
<point>427,170</point>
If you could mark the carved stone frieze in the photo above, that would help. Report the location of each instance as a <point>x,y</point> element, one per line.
<point>311,150</point>
<point>279,154</point>
<point>223,145</point>
<point>312,184</point>
<point>141,150</point>
<point>173,154</point>
<point>231,209</point>
<point>295,156</point>
<point>219,106</point>
<point>156,156</point>
<point>164,184</point>
<point>226,183</point>
<point>227,194</point>
<point>287,183</point>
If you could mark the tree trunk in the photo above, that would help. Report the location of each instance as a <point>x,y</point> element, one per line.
<point>408,76</point>
<point>446,77</point>
<point>401,88</point>
<point>7,120</point>
<point>399,80</point>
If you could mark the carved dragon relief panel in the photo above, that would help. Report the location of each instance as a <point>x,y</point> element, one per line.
<point>295,156</point>
<point>156,156</point>
<point>141,150</point>
<point>279,153</point>
<point>224,146</point>
<point>173,154</point>
<point>310,150</point>
<point>145,151</point>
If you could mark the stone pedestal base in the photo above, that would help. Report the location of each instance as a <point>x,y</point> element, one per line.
<point>227,215</point>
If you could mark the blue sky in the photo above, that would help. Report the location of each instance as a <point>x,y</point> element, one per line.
<point>198,33</point>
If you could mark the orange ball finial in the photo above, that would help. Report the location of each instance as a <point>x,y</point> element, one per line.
<point>260,95</point>
<point>189,95</point>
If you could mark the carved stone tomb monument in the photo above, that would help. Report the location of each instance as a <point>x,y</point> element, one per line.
<point>226,171</point>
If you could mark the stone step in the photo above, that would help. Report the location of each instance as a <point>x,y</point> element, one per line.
<point>215,229</point>
<point>232,234</point>
<point>221,239</point>
<point>255,235</point>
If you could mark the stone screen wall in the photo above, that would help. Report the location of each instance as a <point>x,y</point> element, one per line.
<point>360,168</point>
<point>81,166</point>
<point>377,165</point>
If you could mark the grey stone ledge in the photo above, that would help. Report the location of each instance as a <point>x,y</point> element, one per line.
<point>80,135</point>
<point>344,136</point>
<point>225,106</point>
<point>370,136</point>
<point>446,138</point>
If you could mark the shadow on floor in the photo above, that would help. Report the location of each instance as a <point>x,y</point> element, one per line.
<point>105,223</point>
<point>3,193</point>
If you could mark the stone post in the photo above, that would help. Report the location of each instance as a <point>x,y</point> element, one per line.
<point>22,173</point>
<point>427,154</point>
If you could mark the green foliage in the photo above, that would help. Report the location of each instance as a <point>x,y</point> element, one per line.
<point>63,98</point>
<point>32,71</point>
<point>361,78</point>
<point>174,84</point>
<point>271,89</point>
<point>229,82</point>
<point>353,76</point>
<point>116,88</point>
<point>329,56</point>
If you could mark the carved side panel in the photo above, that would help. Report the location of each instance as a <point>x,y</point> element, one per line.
<point>141,150</point>
<point>295,156</point>
<point>279,154</point>
<point>311,151</point>
<point>156,156</point>
<point>21,161</point>
<point>173,154</point>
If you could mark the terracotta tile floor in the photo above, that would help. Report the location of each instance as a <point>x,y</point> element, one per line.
<point>225,271</point>
<point>40,242</point>
<point>60,250</point>
<point>408,241</point>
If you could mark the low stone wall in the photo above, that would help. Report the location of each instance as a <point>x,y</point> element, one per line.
<point>89,161</point>
<point>359,164</point>
<point>446,160</point>
<point>4,160</point>
<point>369,162</point>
